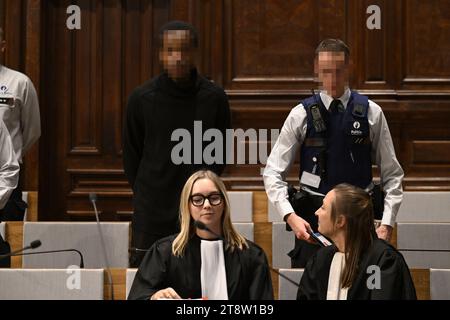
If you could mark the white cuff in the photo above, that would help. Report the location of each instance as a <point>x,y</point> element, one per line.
<point>388,218</point>
<point>284,207</point>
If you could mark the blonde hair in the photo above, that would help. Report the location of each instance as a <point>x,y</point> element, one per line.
<point>232,237</point>
<point>356,206</point>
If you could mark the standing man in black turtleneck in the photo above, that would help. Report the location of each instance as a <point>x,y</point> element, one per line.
<point>173,100</point>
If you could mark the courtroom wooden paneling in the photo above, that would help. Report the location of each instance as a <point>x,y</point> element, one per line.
<point>426,61</point>
<point>32,210</point>
<point>119,282</point>
<point>260,51</point>
<point>375,51</point>
<point>421,279</point>
<point>93,71</point>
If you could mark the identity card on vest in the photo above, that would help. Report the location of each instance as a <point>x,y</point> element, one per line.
<point>310,180</point>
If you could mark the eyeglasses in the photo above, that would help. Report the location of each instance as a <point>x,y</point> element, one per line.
<point>214,199</point>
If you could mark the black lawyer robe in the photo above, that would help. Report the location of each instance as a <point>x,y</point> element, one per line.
<point>247,272</point>
<point>396,282</point>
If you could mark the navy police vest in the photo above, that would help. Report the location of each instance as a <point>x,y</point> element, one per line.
<point>340,152</point>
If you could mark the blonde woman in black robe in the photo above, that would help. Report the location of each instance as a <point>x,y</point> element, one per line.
<point>215,264</point>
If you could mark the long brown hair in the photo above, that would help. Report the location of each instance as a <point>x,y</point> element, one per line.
<point>356,206</point>
<point>232,237</point>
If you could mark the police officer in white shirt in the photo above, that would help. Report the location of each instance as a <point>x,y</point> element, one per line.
<point>19,110</point>
<point>341,133</point>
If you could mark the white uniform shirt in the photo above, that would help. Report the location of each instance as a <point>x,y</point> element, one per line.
<point>292,136</point>
<point>9,167</point>
<point>21,117</point>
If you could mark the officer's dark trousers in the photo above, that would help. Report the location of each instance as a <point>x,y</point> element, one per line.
<point>304,250</point>
<point>14,209</point>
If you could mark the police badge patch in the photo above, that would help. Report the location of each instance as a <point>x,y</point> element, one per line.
<point>356,131</point>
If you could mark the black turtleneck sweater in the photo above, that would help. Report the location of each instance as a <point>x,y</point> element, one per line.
<point>155,110</point>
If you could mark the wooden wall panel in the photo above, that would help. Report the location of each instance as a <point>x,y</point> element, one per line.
<point>260,51</point>
<point>426,58</point>
<point>58,100</point>
<point>85,108</point>
<point>258,37</point>
<point>14,27</point>
<point>94,70</point>
<point>373,63</point>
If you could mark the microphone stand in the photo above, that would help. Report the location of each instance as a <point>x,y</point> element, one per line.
<point>54,251</point>
<point>93,199</point>
<point>285,277</point>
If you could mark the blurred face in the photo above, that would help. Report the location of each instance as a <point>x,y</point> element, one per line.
<point>332,72</point>
<point>206,204</point>
<point>326,224</point>
<point>177,54</point>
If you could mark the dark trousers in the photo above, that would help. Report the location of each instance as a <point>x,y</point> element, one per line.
<point>302,252</point>
<point>14,209</point>
<point>141,242</point>
<point>307,204</point>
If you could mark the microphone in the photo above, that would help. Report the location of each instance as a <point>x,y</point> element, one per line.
<point>93,199</point>
<point>201,226</point>
<point>33,245</point>
<point>53,251</point>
